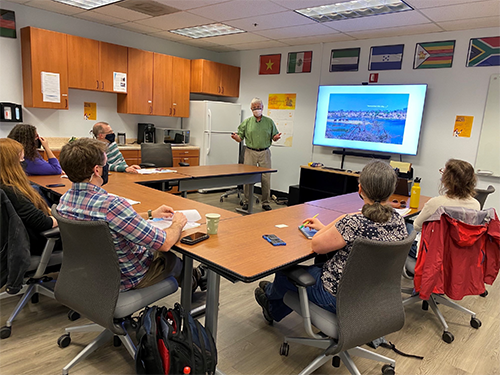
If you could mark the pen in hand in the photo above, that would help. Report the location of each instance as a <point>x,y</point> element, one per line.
<point>307,222</point>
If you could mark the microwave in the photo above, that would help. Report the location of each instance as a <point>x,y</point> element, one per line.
<point>173,136</point>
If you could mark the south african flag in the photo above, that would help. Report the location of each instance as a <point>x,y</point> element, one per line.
<point>484,52</point>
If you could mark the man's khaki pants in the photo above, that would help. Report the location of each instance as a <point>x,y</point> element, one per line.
<point>259,159</point>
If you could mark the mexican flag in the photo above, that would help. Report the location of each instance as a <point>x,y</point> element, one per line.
<point>299,62</point>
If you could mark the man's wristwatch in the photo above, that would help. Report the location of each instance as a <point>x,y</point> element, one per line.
<point>150,215</point>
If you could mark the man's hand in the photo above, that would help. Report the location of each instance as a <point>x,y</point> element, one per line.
<point>163,212</point>
<point>236,137</point>
<point>175,230</point>
<point>179,219</point>
<point>132,169</point>
<point>277,137</point>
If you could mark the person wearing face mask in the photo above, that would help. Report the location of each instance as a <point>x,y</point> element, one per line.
<point>143,250</point>
<point>259,132</point>
<point>103,132</point>
<point>34,164</point>
<point>29,205</point>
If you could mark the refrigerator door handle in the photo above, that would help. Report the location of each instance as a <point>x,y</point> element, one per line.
<point>209,113</point>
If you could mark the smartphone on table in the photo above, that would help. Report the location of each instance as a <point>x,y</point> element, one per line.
<point>194,238</point>
<point>55,185</point>
<point>274,240</point>
<point>307,232</point>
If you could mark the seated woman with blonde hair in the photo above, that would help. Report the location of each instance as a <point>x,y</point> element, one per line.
<point>29,205</point>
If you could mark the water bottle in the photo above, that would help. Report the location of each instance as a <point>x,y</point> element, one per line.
<point>415,193</point>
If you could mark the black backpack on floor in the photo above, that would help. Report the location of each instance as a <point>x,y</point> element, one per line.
<point>170,341</point>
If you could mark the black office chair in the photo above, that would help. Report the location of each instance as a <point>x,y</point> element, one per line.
<point>89,282</point>
<point>369,305</point>
<point>482,194</point>
<point>158,155</point>
<point>32,269</point>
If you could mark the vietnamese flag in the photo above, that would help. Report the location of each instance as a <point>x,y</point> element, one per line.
<point>270,64</point>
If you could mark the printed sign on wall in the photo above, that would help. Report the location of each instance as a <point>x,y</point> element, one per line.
<point>281,108</point>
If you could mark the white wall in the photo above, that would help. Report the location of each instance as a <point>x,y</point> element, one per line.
<point>67,123</point>
<point>452,91</point>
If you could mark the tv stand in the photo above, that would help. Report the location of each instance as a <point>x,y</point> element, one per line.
<point>343,152</point>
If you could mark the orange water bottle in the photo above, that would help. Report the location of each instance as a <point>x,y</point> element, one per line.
<point>415,193</point>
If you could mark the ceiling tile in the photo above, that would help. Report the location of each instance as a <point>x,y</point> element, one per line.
<point>259,45</point>
<point>219,48</point>
<point>170,36</point>
<point>138,28</point>
<point>422,4</point>
<point>301,4</point>
<point>189,4</point>
<point>475,23</point>
<point>378,22</point>
<point>52,6</point>
<point>297,31</point>
<point>396,31</point>
<point>463,11</point>
<point>120,12</point>
<point>271,21</point>
<point>317,39</point>
<point>100,18</point>
<point>236,39</point>
<point>237,9</point>
<point>176,21</point>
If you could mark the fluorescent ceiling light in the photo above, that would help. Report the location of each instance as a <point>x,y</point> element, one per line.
<point>87,4</point>
<point>353,9</point>
<point>205,31</point>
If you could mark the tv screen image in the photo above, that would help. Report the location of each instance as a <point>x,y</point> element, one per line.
<point>381,118</point>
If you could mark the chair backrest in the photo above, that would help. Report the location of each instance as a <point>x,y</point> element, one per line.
<point>159,154</point>
<point>369,303</point>
<point>89,280</point>
<point>482,194</point>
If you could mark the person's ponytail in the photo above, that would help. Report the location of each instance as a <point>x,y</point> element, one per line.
<point>377,212</point>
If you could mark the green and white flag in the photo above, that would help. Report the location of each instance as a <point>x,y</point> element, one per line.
<point>299,62</point>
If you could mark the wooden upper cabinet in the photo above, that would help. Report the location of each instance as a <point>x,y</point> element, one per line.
<point>44,51</point>
<point>139,97</point>
<point>209,77</point>
<point>91,63</point>
<point>180,83</point>
<point>162,89</point>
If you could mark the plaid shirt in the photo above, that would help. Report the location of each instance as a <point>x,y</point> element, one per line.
<point>134,237</point>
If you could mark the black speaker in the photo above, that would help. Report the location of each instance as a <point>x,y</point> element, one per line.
<point>293,195</point>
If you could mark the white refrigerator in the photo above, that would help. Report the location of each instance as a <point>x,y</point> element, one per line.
<point>210,125</point>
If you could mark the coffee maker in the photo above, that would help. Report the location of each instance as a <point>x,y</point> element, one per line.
<point>146,133</point>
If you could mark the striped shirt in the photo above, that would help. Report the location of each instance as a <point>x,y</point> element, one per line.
<point>134,238</point>
<point>115,158</point>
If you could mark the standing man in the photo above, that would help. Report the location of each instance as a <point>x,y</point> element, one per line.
<point>259,133</point>
<point>103,132</point>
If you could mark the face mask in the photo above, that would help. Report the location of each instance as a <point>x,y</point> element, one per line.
<point>105,174</point>
<point>110,137</point>
<point>257,112</point>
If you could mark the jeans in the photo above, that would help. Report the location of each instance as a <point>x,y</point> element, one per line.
<point>316,293</point>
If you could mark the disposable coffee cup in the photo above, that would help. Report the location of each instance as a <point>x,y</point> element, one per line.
<point>212,223</point>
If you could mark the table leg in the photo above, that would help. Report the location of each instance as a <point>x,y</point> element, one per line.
<point>212,311</point>
<point>250,199</point>
<point>187,283</point>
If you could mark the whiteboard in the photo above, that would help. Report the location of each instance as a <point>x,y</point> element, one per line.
<point>488,153</point>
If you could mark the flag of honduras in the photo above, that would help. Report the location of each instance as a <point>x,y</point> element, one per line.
<point>386,57</point>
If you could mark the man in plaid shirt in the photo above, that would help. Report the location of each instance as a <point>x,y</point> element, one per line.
<point>143,250</point>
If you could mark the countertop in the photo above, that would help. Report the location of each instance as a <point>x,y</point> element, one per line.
<point>56,143</point>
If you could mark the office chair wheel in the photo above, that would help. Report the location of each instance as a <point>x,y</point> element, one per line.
<point>448,337</point>
<point>336,361</point>
<point>284,349</point>
<point>221,199</point>
<point>388,370</point>
<point>257,200</point>
<point>64,341</point>
<point>73,315</point>
<point>35,298</point>
<point>425,305</point>
<point>5,332</point>
<point>484,294</point>
<point>475,323</point>
<point>116,341</point>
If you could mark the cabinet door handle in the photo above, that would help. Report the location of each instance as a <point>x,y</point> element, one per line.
<point>97,84</point>
<point>150,109</point>
<point>66,106</point>
<point>174,111</point>
<point>170,112</point>
<point>223,89</point>
<point>102,84</point>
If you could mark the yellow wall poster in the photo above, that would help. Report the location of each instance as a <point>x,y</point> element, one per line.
<point>281,108</point>
<point>463,126</point>
<point>89,111</point>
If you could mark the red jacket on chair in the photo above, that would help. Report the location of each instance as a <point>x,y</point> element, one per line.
<point>459,252</point>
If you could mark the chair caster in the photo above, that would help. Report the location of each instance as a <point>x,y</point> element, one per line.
<point>475,323</point>
<point>64,341</point>
<point>425,305</point>
<point>484,294</point>
<point>336,361</point>
<point>388,370</point>
<point>221,199</point>
<point>447,337</point>
<point>284,349</point>
<point>116,341</point>
<point>73,315</point>
<point>257,200</point>
<point>5,332</point>
<point>35,298</point>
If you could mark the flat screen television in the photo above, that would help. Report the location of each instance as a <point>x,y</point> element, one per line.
<point>380,118</point>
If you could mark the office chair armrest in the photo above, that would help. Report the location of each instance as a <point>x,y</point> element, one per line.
<point>51,233</point>
<point>147,165</point>
<point>182,164</point>
<point>299,276</point>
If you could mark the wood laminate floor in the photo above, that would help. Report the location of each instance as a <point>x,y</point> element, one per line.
<point>247,345</point>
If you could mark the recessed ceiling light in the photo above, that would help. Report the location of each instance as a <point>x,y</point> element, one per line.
<point>205,31</point>
<point>87,4</point>
<point>353,9</point>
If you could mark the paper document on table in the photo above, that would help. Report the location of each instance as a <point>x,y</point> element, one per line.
<point>191,215</point>
<point>155,170</point>
<point>130,201</point>
<point>403,211</point>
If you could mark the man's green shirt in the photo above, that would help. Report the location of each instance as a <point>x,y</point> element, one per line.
<point>257,134</point>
